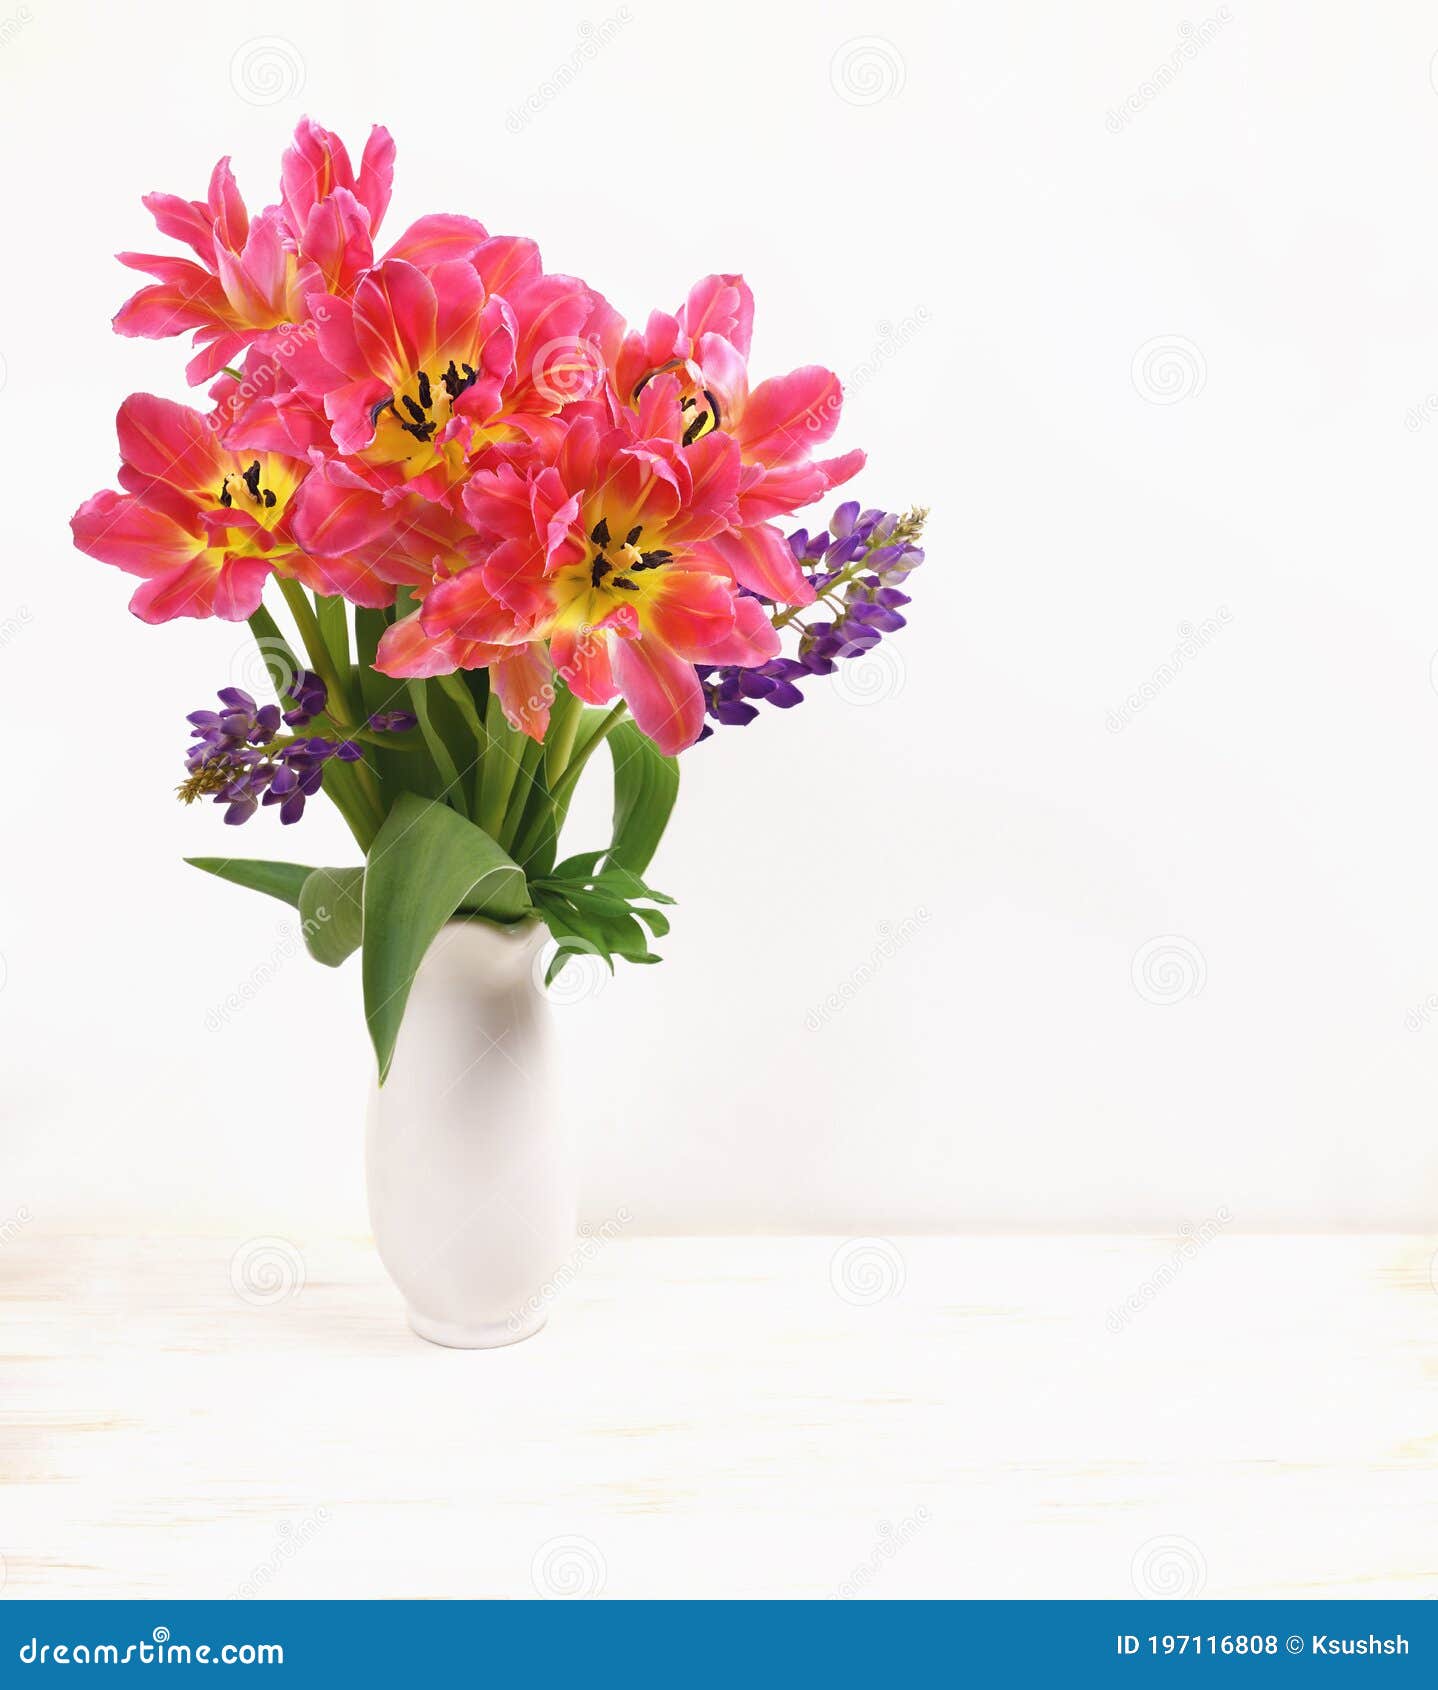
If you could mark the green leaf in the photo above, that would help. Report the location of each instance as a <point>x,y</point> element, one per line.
<point>580,867</point>
<point>332,911</point>
<point>277,880</point>
<point>655,920</point>
<point>369,630</point>
<point>452,786</point>
<point>539,837</point>
<point>333,617</point>
<point>646,783</point>
<point>426,862</point>
<point>401,761</point>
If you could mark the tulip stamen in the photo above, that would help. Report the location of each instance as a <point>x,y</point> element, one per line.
<point>250,478</point>
<point>455,383</point>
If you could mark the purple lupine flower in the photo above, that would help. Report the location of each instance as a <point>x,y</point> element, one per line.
<point>238,759</point>
<point>392,722</point>
<point>856,609</point>
<point>310,697</point>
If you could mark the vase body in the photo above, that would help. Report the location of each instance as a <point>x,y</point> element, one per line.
<point>470,1170</point>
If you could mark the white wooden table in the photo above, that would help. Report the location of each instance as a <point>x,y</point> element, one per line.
<point>726,1417</point>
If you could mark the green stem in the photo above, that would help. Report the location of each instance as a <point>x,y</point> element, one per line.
<point>564,718</point>
<point>340,784</point>
<point>317,651</point>
<point>272,643</point>
<point>565,784</point>
<point>524,791</point>
<point>340,707</point>
<point>501,771</point>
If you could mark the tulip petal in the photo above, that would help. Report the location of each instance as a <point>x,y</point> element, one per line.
<point>663,691</point>
<point>118,529</point>
<point>787,416</point>
<point>759,558</point>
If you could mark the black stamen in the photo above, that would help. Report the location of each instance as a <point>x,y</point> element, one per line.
<point>252,480</point>
<point>652,560</point>
<point>601,568</point>
<point>713,407</point>
<point>628,586</point>
<point>415,412</point>
<point>269,500</point>
<point>659,370</point>
<point>384,405</point>
<point>424,390</point>
<point>225,498</point>
<point>600,532</point>
<point>632,537</point>
<point>696,428</point>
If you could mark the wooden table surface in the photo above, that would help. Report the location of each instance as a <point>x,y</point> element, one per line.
<point>1083,1417</point>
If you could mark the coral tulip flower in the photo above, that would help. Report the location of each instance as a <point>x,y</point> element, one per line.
<point>204,526</point>
<point>777,425</point>
<point>606,554</point>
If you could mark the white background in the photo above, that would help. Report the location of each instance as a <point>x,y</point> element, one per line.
<point>982,217</point>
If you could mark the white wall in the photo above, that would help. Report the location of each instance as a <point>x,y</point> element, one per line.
<point>981,838</point>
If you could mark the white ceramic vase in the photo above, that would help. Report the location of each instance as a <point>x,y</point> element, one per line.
<point>470,1171</point>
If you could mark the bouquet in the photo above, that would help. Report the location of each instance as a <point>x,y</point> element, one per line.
<point>505,530</point>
